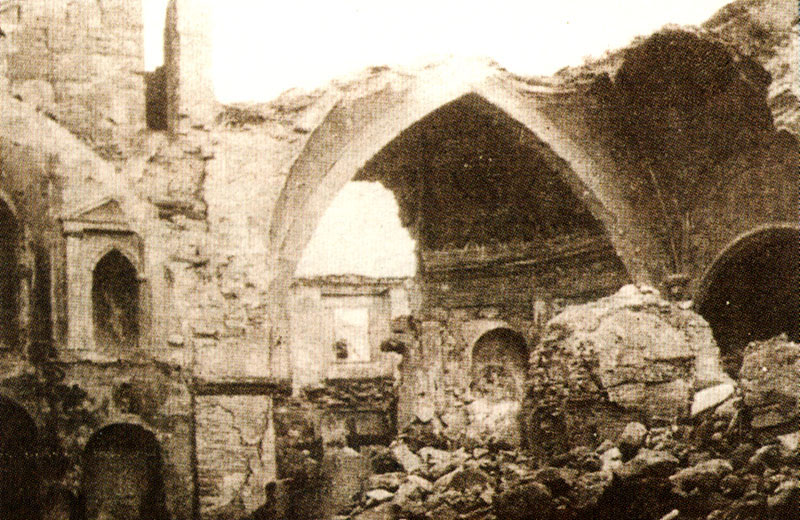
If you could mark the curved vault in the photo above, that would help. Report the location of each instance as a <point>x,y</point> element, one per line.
<point>374,151</point>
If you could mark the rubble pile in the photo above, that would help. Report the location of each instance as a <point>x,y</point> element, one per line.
<point>708,470</point>
<point>733,455</point>
<point>630,357</point>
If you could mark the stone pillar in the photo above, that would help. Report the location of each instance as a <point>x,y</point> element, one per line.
<point>187,60</point>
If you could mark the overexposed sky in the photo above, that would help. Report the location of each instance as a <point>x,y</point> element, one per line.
<point>262,48</point>
<point>360,233</point>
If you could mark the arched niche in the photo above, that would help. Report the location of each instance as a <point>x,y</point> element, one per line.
<point>122,475</point>
<point>751,291</point>
<point>499,365</point>
<point>115,302</point>
<point>107,306</point>
<point>19,479</point>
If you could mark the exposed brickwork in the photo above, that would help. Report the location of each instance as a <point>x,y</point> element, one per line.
<point>234,453</point>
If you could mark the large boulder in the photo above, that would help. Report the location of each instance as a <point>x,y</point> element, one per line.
<point>770,382</point>
<point>632,356</point>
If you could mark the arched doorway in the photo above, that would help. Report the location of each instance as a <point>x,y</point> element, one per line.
<point>122,475</point>
<point>751,291</point>
<point>115,302</point>
<point>19,480</point>
<point>9,282</point>
<point>499,364</point>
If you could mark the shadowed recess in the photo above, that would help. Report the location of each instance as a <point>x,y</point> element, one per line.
<point>470,173</point>
<point>751,292</point>
<point>499,363</point>
<point>18,476</point>
<point>115,301</point>
<point>122,475</point>
<point>9,286</point>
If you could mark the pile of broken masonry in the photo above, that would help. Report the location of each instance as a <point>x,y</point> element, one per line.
<point>729,452</point>
<point>628,415</point>
<point>715,466</point>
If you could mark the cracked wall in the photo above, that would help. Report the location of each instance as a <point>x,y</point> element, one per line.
<point>81,63</point>
<point>235,453</point>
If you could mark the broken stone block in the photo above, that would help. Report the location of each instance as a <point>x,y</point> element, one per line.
<point>611,459</point>
<point>632,439</point>
<point>579,457</point>
<point>495,423</point>
<point>383,511</point>
<point>412,491</point>
<point>377,496</point>
<point>409,460</point>
<point>710,398</point>
<point>703,476</point>
<point>790,442</point>
<point>623,358</point>
<point>381,459</point>
<point>558,480</point>
<point>588,490</point>
<point>389,481</point>
<point>530,500</point>
<point>461,480</point>
<point>440,461</point>
<point>648,463</point>
<point>785,500</point>
<point>421,483</point>
<point>770,381</point>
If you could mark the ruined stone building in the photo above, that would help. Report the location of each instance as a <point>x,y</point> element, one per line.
<point>155,346</point>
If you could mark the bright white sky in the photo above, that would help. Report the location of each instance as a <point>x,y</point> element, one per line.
<point>360,233</point>
<point>262,48</point>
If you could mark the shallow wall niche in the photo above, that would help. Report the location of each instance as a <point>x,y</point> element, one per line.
<point>499,364</point>
<point>19,479</point>
<point>122,475</point>
<point>9,282</point>
<point>106,289</point>
<point>115,302</point>
<point>751,292</point>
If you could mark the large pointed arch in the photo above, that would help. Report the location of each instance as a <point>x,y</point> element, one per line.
<point>357,129</point>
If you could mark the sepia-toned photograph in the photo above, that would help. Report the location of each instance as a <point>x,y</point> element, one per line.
<point>422,260</point>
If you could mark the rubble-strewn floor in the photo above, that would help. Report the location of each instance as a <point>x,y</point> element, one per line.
<point>733,456</point>
<point>709,468</point>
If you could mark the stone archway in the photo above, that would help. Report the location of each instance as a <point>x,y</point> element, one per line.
<point>122,475</point>
<point>356,130</point>
<point>115,302</point>
<point>751,291</point>
<point>19,479</point>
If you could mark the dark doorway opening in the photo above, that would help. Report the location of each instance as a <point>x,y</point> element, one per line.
<point>751,292</point>
<point>19,479</point>
<point>122,475</point>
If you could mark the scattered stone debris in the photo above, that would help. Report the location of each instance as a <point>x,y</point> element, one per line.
<point>629,357</point>
<point>716,461</point>
<point>770,380</point>
<point>681,471</point>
